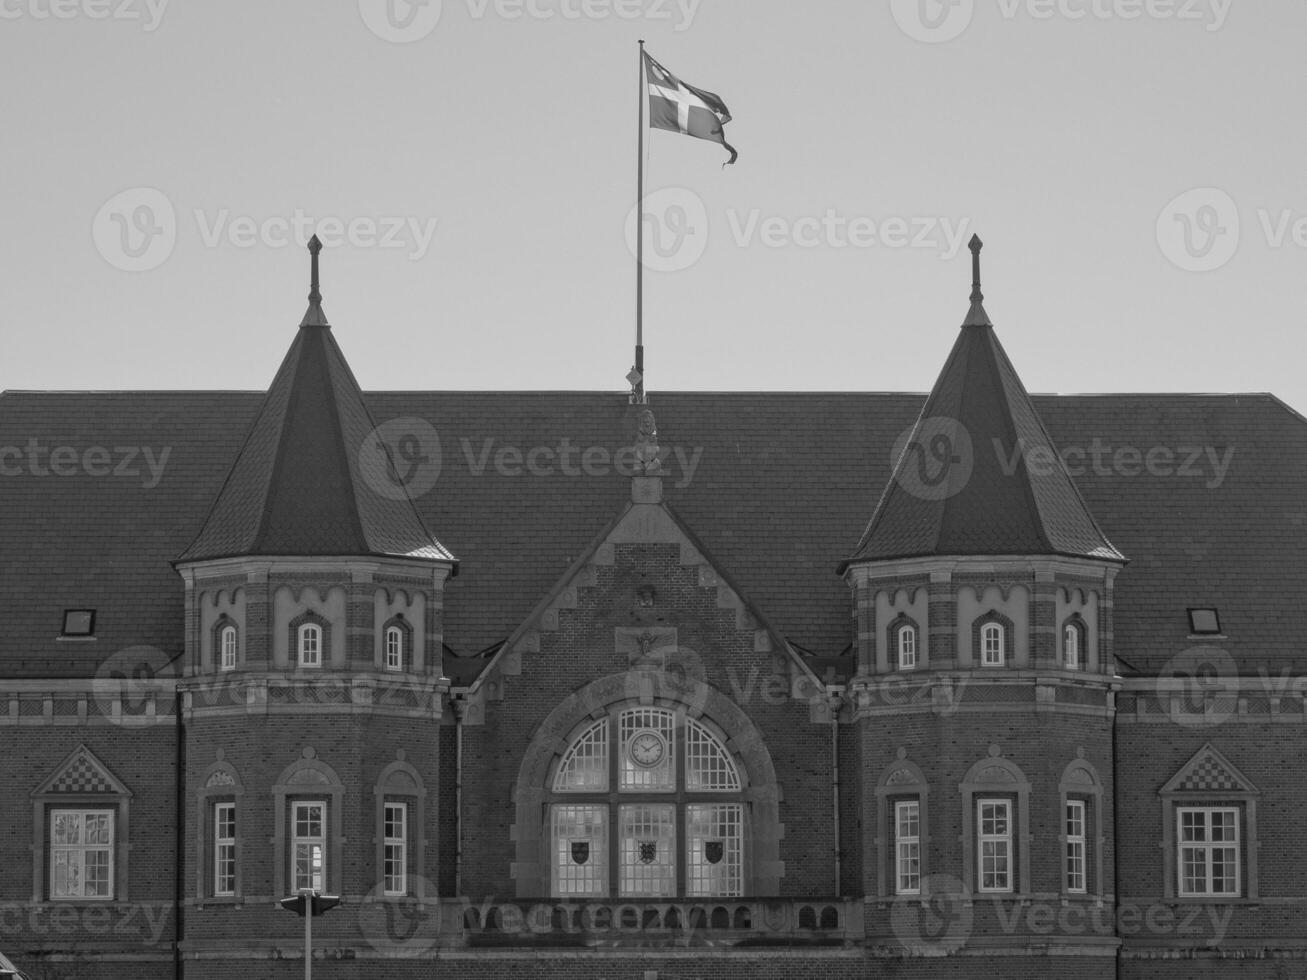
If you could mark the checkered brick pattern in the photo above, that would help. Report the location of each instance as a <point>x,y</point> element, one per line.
<point>1208,775</point>
<point>82,776</point>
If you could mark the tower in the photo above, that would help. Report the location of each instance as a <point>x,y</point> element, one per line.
<point>313,688</point>
<point>983,692</point>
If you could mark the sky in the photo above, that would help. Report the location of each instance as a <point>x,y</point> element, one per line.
<point>1134,168</point>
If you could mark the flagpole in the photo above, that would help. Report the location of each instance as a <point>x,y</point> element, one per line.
<point>639,243</point>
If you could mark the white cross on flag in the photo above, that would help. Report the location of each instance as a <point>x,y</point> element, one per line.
<point>683,108</point>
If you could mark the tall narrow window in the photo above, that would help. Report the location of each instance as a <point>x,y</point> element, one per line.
<point>1073,646</point>
<point>994,834</point>
<point>308,856</point>
<point>907,647</point>
<point>227,643</point>
<point>991,645</point>
<point>395,849</point>
<point>714,843</point>
<point>81,853</point>
<point>907,847</point>
<point>1075,846</point>
<point>394,648</point>
<point>1209,850</point>
<point>310,645</point>
<point>224,849</point>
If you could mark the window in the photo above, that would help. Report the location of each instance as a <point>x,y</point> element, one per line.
<point>1073,646</point>
<point>394,648</point>
<point>79,622</point>
<point>906,646</point>
<point>310,645</point>
<point>395,857</point>
<point>994,836</point>
<point>647,804</point>
<point>1075,846</point>
<point>991,645</point>
<point>907,847</point>
<point>1208,859</point>
<point>308,845</point>
<point>224,849</point>
<point>81,853</point>
<point>1204,622</point>
<point>227,647</point>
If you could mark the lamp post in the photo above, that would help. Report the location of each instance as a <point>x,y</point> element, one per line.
<point>309,903</point>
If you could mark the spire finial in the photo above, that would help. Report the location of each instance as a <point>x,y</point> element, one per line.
<point>976,316</point>
<point>313,316</point>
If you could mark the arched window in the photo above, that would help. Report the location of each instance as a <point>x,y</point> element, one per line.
<point>991,645</point>
<point>1074,646</point>
<point>394,648</point>
<point>309,644</point>
<point>227,647</point>
<point>646,803</point>
<point>906,646</point>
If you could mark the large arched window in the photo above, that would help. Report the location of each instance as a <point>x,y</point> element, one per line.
<point>646,802</point>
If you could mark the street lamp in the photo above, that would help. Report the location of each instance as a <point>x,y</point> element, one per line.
<point>309,903</point>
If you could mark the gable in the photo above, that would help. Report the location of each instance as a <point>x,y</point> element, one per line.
<point>82,772</point>
<point>1208,771</point>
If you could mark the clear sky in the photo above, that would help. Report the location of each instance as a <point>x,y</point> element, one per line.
<point>1135,168</point>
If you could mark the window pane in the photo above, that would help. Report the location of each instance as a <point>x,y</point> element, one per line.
<point>713,857</point>
<point>708,766</point>
<point>580,850</point>
<point>585,764</point>
<point>646,747</point>
<point>647,850</point>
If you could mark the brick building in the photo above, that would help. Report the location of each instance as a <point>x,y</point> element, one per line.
<point>781,685</point>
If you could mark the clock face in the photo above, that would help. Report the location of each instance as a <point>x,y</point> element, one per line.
<point>646,749</point>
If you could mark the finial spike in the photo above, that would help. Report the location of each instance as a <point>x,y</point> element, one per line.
<point>313,316</point>
<point>976,316</point>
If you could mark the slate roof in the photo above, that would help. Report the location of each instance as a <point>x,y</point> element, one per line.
<point>306,481</point>
<point>971,480</point>
<point>783,485</point>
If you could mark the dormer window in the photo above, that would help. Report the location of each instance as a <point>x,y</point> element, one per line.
<point>906,643</point>
<point>310,645</point>
<point>991,645</point>
<point>227,647</point>
<point>394,648</point>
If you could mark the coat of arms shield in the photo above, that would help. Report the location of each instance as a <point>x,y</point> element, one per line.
<point>713,851</point>
<point>580,851</point>
<point>648,851</point>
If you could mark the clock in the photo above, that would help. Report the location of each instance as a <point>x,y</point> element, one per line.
<point>646,749</point>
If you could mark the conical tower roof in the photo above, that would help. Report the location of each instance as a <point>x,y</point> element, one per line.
<point>979,475</point>
<point>309,480</point>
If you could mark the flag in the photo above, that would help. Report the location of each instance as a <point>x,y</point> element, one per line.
<point>683,108</point>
